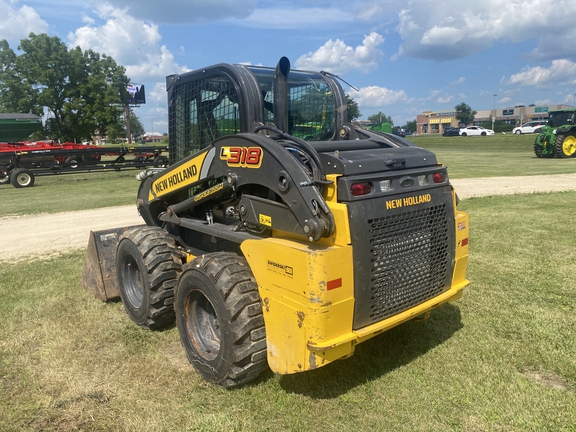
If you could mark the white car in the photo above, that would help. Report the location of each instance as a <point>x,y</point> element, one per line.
<point>529,127</point>
<point>475,131</point>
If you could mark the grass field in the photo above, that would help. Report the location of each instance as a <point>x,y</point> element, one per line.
<point>503,358</point>
<point>493,156</point>
<point>71,192</point>
<point>466,157</point>
<point>500,359</point>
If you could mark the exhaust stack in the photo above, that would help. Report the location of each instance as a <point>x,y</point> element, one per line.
<point>281,94</point>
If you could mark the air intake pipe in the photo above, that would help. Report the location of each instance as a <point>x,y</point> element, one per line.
<point>281,94</point>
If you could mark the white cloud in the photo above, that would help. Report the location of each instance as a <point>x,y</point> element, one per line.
<point>294,18</point>
<point>374,96</point>
<point>17,24</point>
<point>559,72</point>
<point>158,93</point>
<point>130,42</point>
<point>182,11</point>
<point>456,29</point>
<point>445,99</point>
<point>543,102</point>
<point>338,58</point>
<point>380,11</point>
<point>504,100</point>
<point>87,20</point>
<point>459,81</point>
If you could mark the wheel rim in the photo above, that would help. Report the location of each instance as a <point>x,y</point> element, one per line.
<point>134,288</point>
<point>569,145</point>
<point>202,325</point>
<point>4,179</point>
<point>23,179</point>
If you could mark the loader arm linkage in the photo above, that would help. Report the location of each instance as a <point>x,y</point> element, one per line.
<point>239,165</point>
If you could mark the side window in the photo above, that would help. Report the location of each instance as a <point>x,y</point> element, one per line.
<point>205,110</point>
<point>312,111</point>
<point>311,105</point>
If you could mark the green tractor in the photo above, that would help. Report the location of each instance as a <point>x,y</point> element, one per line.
<point>558,137</point>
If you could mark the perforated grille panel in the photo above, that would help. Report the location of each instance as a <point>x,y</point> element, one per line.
<point>409,261</point>
<point>402,257</point>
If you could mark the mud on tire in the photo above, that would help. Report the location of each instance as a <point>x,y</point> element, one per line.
<point>219,318</point>
<point>148,265</point>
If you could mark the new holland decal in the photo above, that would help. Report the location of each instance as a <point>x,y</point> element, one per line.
<point>174,179</point>
<point>408,201</point>
<point>181,176</point>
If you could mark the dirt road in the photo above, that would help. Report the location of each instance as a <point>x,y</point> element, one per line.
<point>49,234</point>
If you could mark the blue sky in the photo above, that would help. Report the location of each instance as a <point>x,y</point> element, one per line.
<point>404,57</point>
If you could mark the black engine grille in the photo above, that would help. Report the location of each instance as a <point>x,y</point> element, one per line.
<point>410,260</point>
<point>402,257</point>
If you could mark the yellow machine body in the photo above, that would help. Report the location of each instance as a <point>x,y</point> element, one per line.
<point>307,293</point>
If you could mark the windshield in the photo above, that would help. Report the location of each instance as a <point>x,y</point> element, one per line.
<point>311,106</point>
<point>561,118</point>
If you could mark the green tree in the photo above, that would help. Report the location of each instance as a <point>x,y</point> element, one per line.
<point>380,118</point>
<point>411,125</point>
<point>16,93</point>
<point>352,109</point>
<point>499,126</point>
<point>118,130</point>
<point>464,113</point>
<point>81,92</point>
<point>136,128</point>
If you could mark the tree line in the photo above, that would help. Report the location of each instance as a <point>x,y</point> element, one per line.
<point>81,93</point>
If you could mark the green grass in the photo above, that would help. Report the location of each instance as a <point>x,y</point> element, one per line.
<point>70,192</point>
<point>492,156</point>
<point>500,359</point>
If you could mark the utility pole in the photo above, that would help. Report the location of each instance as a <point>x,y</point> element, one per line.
<point>127,116</point>
<point>494,111</point>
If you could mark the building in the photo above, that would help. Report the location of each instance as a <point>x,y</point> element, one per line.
<point>434,122</point>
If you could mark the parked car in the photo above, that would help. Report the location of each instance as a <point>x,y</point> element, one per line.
<point>451,131</point>
<point>398,132</point>
<point>530,127</point>
<point>476,131</point>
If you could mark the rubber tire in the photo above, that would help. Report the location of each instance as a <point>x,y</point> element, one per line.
<point>73,162</point>
<point>5,179</point>
<point>483,134</point>
<point>148,264</point>
<point>464,134</point>
<point>219,319</point>
<point>22,178</point>
<point>161,162</point>
<point>140,161</point>
<point>537,149</point>
<point>559,146</point>
<point>518,132</point>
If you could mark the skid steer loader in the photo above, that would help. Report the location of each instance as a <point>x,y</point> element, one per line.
<point>281,235</point>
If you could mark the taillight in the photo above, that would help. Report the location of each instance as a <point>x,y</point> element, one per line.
<point>439,177</point>
<point>359,189</point>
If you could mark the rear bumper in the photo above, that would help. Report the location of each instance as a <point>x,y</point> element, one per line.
<point>358,336</point>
